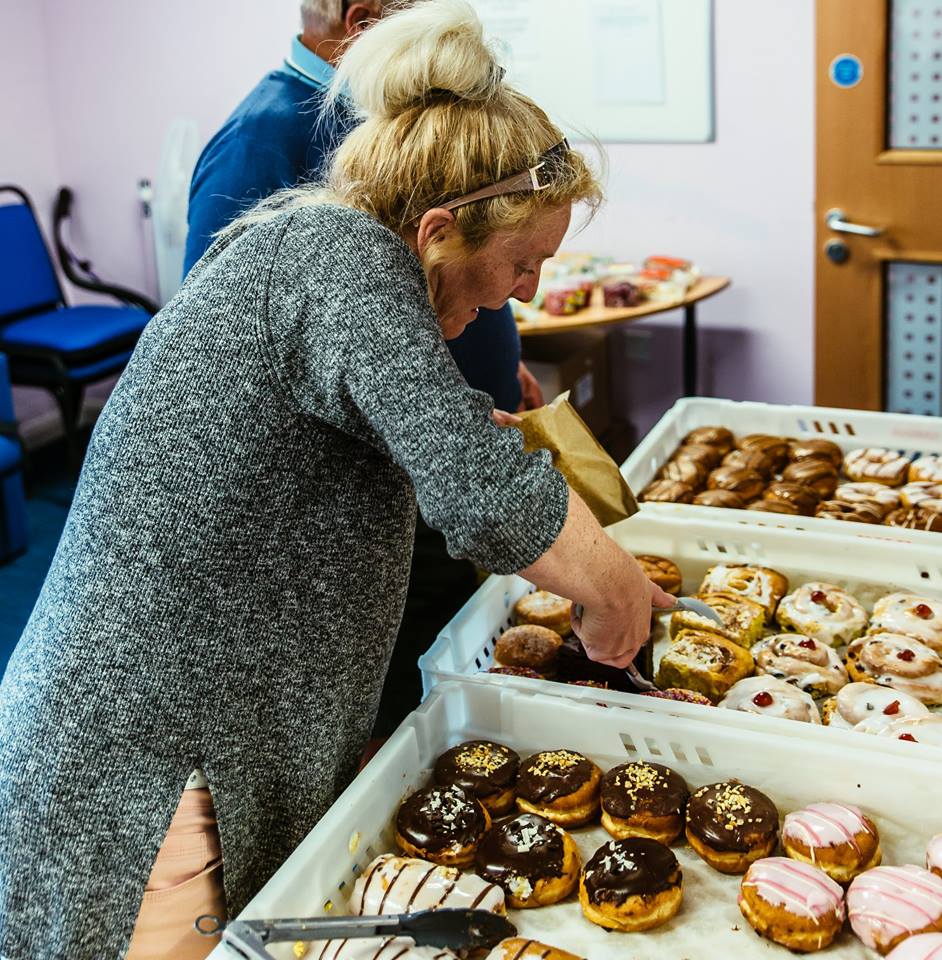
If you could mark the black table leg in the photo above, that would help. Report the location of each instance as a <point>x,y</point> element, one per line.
<point>690,350</point>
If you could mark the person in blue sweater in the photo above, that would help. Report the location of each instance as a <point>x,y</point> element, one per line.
<point>277,137</point>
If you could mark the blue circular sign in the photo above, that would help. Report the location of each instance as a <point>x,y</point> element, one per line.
<point>846,70</point>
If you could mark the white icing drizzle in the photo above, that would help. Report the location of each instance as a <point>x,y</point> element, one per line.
<point>900,662</point>
<point>885,902</point>
<point>926,730</point>
<point>897,613</point>
<point>814,667</point>
<point>866,491</point>
<point>927,468</point>
<point>875,463</point>
<point>754,583</point>
<point>835,620</point>
<point>387,948</point>
<point>826,825</point>
<point>919,492</point>
<point>798,887</point>
<point>788,702</point>
<point>859,704</point>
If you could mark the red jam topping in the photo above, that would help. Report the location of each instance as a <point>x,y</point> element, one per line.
<point>906,655</point>
<point>819,596</point>
<point>923,611</point>
<point>762,699</point>
<point>891,708</point>
<point>807,644</point>
<point>909,737</point>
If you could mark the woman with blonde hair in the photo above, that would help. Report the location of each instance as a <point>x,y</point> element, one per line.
<point>231,576</point>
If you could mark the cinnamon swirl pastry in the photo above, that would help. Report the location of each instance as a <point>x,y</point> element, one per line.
<point>770,697</point>
<point>914,616</point>
<point>877,464</point>
<point>820,475</point>
<point>743,619</point>
<point>718,437</point>
<point>823,612</point>
<point>894,660</point>
<point>392,884</point>
<point>867,707</point>
<point>759,584</point>
<point>915,730</point>
<point>703,662</point>
<point>747,483</point>
<point>927,469</point>
<point>776,448</point>
<point>816,449</point>
<point>667,491</point>
<point>870,493</point>
<point>808,664</point>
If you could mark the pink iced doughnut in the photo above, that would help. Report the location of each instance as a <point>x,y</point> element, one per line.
<point>924,946</point>
<point>887,904</point>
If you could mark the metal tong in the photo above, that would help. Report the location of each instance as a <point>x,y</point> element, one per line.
<point>455,929</point>
<point>690,604</point>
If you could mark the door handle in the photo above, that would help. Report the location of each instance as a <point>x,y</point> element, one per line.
<point>835,220</point>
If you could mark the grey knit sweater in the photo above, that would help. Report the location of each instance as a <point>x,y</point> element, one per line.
<point>232,573</point>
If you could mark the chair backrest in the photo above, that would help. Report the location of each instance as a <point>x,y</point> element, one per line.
<point>28,280</point>
<point>6,392</point>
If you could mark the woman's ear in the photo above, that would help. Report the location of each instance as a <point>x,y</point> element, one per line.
<point>433,226</point>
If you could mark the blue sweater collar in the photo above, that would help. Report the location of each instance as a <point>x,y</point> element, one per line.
<point>308,66</point>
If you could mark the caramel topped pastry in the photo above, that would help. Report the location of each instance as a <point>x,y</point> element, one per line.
<point>750,460</point>
<point>804,498</point>
<point>720,498</point>
<point>665,573</point>
<point>485,770</point>
<point>561,785</point>
<point>774,447</point>
<point>718,437</point>
<point>632,884</point>
<point>643,800</point>
<point>684,470</point>
<point>534,861</point>
<point>820,475</point>
<point>731,825</point>
<point>775,506</point>
<point>747,483</point>
<point>816,449</point>
<point>709,456</point>
<point>667,491</point>
<point>442,824</point>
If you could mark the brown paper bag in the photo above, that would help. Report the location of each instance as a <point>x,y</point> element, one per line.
<point>580,458</point>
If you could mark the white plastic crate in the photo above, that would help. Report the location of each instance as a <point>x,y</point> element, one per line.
<point>868,568</point>
<point>912,436</point>
<point>899,792</point>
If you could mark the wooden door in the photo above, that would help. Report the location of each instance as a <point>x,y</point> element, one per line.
<point>879,159</point>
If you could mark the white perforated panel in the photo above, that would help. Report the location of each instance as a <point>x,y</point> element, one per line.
<point>915,75</point>
<point>913,328</point>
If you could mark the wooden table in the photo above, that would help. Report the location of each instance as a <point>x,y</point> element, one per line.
<point>596,315</point>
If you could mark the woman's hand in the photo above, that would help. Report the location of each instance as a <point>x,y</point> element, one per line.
<point>529,389</point>
<point>504,419</point>
<point>613,633</point>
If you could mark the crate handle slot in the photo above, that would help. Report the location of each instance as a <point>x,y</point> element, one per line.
<point>704,756</point>
<point>678,751</point>
<point>654,748</point>
<point>628,743</point>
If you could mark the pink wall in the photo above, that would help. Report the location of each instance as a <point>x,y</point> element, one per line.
<point>118,73</point>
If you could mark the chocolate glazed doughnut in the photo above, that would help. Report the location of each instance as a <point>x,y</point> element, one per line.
<point>730,825</point>
<point>443,825</point>
<point>643,800</point>
<point>535,861</point>
<point>633,884</point>
<point>485,770</point>
<point>561,785</point>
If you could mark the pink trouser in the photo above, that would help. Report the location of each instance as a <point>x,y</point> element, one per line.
<point>186,882</point>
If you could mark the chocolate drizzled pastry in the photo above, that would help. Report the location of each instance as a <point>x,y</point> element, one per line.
<point>667,491</point>
<point>650,788</point>
<point>685,470</point>
<point>821,475</point>
<point>860,512</point>
<point>804,498</point>
<point>816,449</point>
<point>747,483</point>
<point>718,437</point>
<point>552,774</point>
<point>776,448</point>
<point>528,847</point>
<point>440,818</point>
<point>774,506</point>
<point>756,460</point>
<point>731,817</point>
<point>916,518</point>
<point>703,453</point>
<point>720,498</point>
<point>628,868</point>
<point>480,767</point>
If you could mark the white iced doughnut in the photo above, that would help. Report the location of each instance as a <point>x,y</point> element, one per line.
<point>771,697</point>
<point>923,946</point>
<point>920,492</point>
<point>927,468</point>
<point>906,613</point>
<point>897,661</point>
<point>916,729</point>
<point>392,884</point>
<point>808,664</point>
<point>860,705</point>
<point>877,464</point>
<point>823,612</point>
<point>886,498</point>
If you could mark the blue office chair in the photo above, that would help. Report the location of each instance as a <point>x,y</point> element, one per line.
<point>48,343</point>
<point>13,534</point>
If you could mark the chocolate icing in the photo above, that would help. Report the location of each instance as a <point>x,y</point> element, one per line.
<point>750,460</point>
<point>440,818</point>
<point>718,437</point>
<point>730,817</point>
<point>646,788</point>
<point>720,498</point>
<point>630,868</point>
<point>527,846</point>
<point>774,447</point>
<point>480,767</point>
<point>552,774</point>
<point>816,449</point>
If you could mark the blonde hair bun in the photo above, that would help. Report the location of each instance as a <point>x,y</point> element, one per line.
<point>415,52</point>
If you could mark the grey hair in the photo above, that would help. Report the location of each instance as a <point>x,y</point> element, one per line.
<point>322,15</point>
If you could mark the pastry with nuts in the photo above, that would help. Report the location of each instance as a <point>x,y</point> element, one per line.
<point>443,825</point>
<point>485,770</point>
<point>643,799</point>
<point>560,785</point>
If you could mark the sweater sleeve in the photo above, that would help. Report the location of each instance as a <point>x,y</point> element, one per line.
<point>355,342</point>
